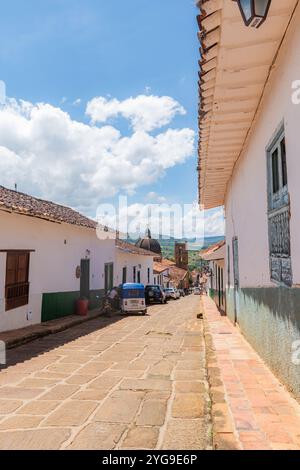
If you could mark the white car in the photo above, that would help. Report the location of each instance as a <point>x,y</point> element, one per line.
<point>197,291</point>
<point>171,293</point>
<point>177,293</point>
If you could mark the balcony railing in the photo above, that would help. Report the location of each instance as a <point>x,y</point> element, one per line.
<point>16,295</point>
<point>279,225</point>
<point>280,246</point>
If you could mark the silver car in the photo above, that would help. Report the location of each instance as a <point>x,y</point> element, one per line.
<point>177,293</point>
<point>171,293</point>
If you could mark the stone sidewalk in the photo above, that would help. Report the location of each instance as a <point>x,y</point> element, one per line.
<point>16,338</point>
<point>251,409</point>
<point>121,383</point>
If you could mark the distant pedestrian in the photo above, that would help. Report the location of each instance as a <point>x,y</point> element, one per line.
<point>203,283</point>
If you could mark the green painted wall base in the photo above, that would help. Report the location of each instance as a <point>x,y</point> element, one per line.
<point>62,304</point>
<point>58,305</point>
<point>214,295</point>
<point>270,320</point>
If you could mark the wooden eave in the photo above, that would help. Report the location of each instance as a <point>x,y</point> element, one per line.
<point>234,67</point>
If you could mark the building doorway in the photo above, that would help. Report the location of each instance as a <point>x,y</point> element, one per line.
<point>236,277</point>
<point>124,276</point>
<point>85,279</point>
<point>109,277</point>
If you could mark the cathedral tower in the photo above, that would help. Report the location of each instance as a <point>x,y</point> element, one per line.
<point>182,255</point>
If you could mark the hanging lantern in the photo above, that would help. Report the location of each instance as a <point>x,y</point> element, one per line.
<point>254,12</point>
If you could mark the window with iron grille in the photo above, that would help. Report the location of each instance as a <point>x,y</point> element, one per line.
<point>17,282</point>
<point>279,212</point>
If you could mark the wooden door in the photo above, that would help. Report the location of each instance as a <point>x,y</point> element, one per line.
<point>236,277</point>
<point>85,279</point>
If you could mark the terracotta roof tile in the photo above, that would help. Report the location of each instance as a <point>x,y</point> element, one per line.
<point>160,267</point>
<point>177,274</point>
<point>24,204</point>
<point>211,249</point>
<point>167,262</point>
<point>133,249</point>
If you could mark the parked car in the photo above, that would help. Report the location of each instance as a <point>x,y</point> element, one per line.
<point>177,293</point>
<point>197,291</point>
<point>155,295</point>
<point>182,292</point>
<point>167,293</point>
<point>171,293</point>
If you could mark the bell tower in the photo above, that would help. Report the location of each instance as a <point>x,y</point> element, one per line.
<point>182,255</point>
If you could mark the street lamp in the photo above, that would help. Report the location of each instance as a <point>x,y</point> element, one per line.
<point>254,12</point>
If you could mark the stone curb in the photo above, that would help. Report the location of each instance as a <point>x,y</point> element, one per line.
<point>27,335</point>
<point>223,429</point>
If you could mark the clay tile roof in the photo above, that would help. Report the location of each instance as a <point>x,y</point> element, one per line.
<point>211,249</point>
<point>160,267</point>
<point>24,204</point>
<point>133,249</point>
<point>177,274</point>
<point>167,262</point>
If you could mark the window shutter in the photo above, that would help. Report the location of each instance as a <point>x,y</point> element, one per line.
<point>11,269</point>
<point>22,272</point>
<point>17,280</point>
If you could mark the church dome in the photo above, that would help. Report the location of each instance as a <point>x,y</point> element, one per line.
<point>148,243</point>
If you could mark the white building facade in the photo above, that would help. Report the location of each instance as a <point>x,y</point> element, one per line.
<point>50,256</point>
<point>133,264</point>
<point>249,162</point>
<point>216,282</point>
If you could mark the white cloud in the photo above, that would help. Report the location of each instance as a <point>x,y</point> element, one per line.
<point>154,197</point>
<point>50,155</point>
<point>168,220</point>
<point>145,112</point>
<point>2,92</point>
<point>77,102</point>
<point>214,222</point>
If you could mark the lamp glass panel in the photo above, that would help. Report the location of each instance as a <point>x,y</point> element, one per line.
<point>261,7</point>
<point>246,7</point>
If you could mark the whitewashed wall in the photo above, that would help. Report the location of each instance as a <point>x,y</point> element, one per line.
<point>130,261</point>
<point>213,279</point>
<point>246,200</point>
<point>52,265</point>
<point>268,315</point>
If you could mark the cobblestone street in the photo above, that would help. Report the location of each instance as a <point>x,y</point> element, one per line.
<point>120,383</point>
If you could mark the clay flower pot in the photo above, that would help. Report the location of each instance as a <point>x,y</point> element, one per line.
<point>82,307</point>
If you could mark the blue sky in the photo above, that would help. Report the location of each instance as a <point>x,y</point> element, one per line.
<point>58,51</point>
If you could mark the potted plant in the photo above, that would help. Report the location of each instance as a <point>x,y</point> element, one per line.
<point>82,306</point>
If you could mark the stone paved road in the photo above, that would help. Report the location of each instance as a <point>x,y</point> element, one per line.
<point>120,383</point>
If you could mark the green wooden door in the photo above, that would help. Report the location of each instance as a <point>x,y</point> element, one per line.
<point>85,278</point>
<point>124,277</point>
<point>236,277</point>
<point>109,277</point>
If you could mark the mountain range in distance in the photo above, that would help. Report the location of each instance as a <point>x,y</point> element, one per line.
<point>193,243</point>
